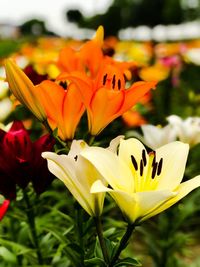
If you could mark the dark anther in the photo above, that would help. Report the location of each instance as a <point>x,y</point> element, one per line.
<point>134,162</point>
<point>160,166</point>
<point>154,159</point>
<point>141,167</point>
<point>63,84</point>
<point>119,84</point>
<point>154,170</point>
<point>105,78</point>
<point>113,82</point>
<point>144,157</point>
<point>76,157</point>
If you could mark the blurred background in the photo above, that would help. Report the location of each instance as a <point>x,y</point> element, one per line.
<point>157,20</point>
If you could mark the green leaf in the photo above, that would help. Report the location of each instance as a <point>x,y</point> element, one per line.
<point>95,262</point>
<point>127,262</point>
<point>19,249</point>
<point>7,255</point>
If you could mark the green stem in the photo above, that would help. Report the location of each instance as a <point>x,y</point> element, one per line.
<point>79,226</point>
<point>62,143</point>
<point>31,220</point>
<point>99,229</point>
<point>123,243</point>
<point>91,140</point>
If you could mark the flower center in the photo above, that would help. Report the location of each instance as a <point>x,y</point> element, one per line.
<point>111,82</point>
<point>154,167</point>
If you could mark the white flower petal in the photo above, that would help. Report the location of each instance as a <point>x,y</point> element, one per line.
<point>115,171</point>
<point>174,160</point>
<point>64,168</point>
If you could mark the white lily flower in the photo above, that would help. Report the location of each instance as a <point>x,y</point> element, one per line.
<point>188,130</point>
<point>142,184</point>
<point>156,136</point>
<point>78,174</point>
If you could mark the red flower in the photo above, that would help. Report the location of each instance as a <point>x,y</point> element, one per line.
<point>3,208</point>
<point>21,161</point>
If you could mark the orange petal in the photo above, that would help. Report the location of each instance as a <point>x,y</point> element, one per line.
<point>133,94</point>
<point>105,105</point>
<point>69,61</point>
<point>72,111</point>
<point>83,82</point>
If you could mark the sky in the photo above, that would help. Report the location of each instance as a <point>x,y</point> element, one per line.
<point>52,11</point>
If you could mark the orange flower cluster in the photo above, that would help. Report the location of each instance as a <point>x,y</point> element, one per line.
<point>88,80</point>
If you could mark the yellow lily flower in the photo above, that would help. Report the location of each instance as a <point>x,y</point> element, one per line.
<point>142,184</point>
<point>24,90</point>
<point>78,175</point>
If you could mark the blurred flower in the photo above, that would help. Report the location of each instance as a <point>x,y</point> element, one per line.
<point>132,118</point>
<point>142,184</point>
<point>34,76</point>
<point>3,208</point>
<point>105,97</point>
<point>6,107</point>
<point>157,136</point>
<point>3,89</point>
<point>193,56</point>
<point>188,130</point>
<point>24,90</point>
<point>156,72</point>
<point>21,161</point>
<point>78,175</point>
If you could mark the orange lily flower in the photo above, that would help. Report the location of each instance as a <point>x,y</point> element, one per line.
<point>105,97</point>
<point>64,108</point>
<point>48,101</point>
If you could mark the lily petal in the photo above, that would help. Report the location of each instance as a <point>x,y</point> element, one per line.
<point>181,191</point>
<point>64,168</point>
<point>108,164</point>
<point>174,160</point>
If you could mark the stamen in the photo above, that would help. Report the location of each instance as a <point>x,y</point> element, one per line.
<point>144,157</point>
<point>160,166</point>
<point>141,167</point>
<point>154,170</point>
<point>119,84</point>
<point>76,157</point>
<point>63,84</point>
<point>113,82</point>
<point>134,162</point>
<point>105,78</point>
<point>154,159</point>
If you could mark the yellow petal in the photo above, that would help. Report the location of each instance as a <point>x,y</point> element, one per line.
<point>182,190</point>
<point>126,202</point>
<point>23,89</point>
<point>134,148</point>
<point>115,171</point>
<point>174,160</point>
<point>151,200</point>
